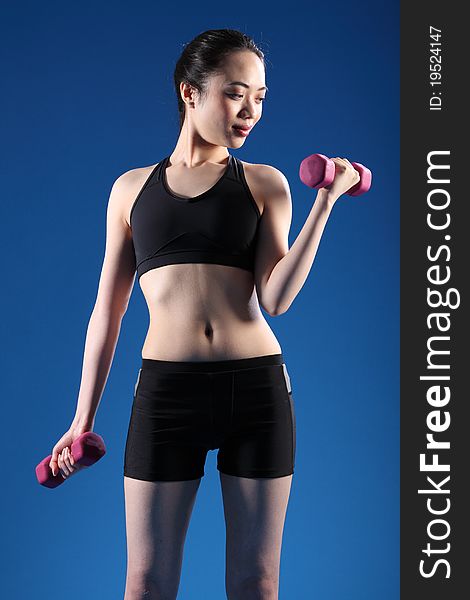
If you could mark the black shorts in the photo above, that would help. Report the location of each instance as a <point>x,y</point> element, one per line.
<point>182,409</point>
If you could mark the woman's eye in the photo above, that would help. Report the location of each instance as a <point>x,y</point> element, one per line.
<point>241,96</point>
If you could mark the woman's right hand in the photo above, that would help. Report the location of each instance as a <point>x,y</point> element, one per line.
<point>62,459</point>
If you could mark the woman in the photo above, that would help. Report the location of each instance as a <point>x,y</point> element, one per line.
<point>207,235</point>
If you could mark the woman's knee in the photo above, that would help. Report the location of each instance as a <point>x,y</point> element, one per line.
<point>253,587</point>
<point>144,586</point>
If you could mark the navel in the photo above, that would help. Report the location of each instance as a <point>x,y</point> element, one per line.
<point>208,330</point>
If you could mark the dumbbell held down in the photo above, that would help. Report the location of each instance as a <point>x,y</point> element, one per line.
<point>317,171</point>
<point>87,449</point>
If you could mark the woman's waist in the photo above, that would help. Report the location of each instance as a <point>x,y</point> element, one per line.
<point>209,340</point>
<point>187,320</point>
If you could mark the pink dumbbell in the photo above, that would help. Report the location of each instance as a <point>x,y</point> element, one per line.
<point>87,449</point>
<point>317,171</point>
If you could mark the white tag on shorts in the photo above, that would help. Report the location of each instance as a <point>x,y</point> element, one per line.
<point>287,378</point>
<point>137,382</point>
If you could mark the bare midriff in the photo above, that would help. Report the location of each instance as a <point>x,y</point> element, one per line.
<point>201,312</point>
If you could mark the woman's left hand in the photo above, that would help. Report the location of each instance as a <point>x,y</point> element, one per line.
<point>346,177</point>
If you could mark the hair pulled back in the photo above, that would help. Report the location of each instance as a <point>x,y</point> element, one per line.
<point>204,56</point>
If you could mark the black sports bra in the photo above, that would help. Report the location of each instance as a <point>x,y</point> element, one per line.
<point>218,226</point>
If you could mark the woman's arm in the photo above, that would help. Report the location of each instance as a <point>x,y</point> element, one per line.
<point>281,272</point>
<point>114,290</point>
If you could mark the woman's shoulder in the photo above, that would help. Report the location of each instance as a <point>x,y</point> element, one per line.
<point>264,181</point>
<point>133,176</point>
<point>263,171</point>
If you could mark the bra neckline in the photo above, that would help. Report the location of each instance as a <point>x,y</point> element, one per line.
<point>194,198</point>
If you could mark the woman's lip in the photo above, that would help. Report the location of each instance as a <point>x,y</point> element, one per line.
<point>243,132</point>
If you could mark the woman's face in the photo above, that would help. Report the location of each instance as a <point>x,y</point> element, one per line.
<point>231,104</point>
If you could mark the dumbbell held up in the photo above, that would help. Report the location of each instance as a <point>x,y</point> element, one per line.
<point>317,171</point>
<point>86,450</point>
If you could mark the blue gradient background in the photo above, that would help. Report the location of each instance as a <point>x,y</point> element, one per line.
<point>88,95</point>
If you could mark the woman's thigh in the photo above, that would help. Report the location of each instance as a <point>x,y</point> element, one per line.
<point>255,511</point>
<point>157,519</point>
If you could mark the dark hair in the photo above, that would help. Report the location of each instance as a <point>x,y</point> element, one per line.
<point>204,57</point>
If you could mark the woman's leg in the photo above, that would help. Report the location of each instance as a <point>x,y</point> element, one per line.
<point>255,510</point>
<point>157,519</point>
